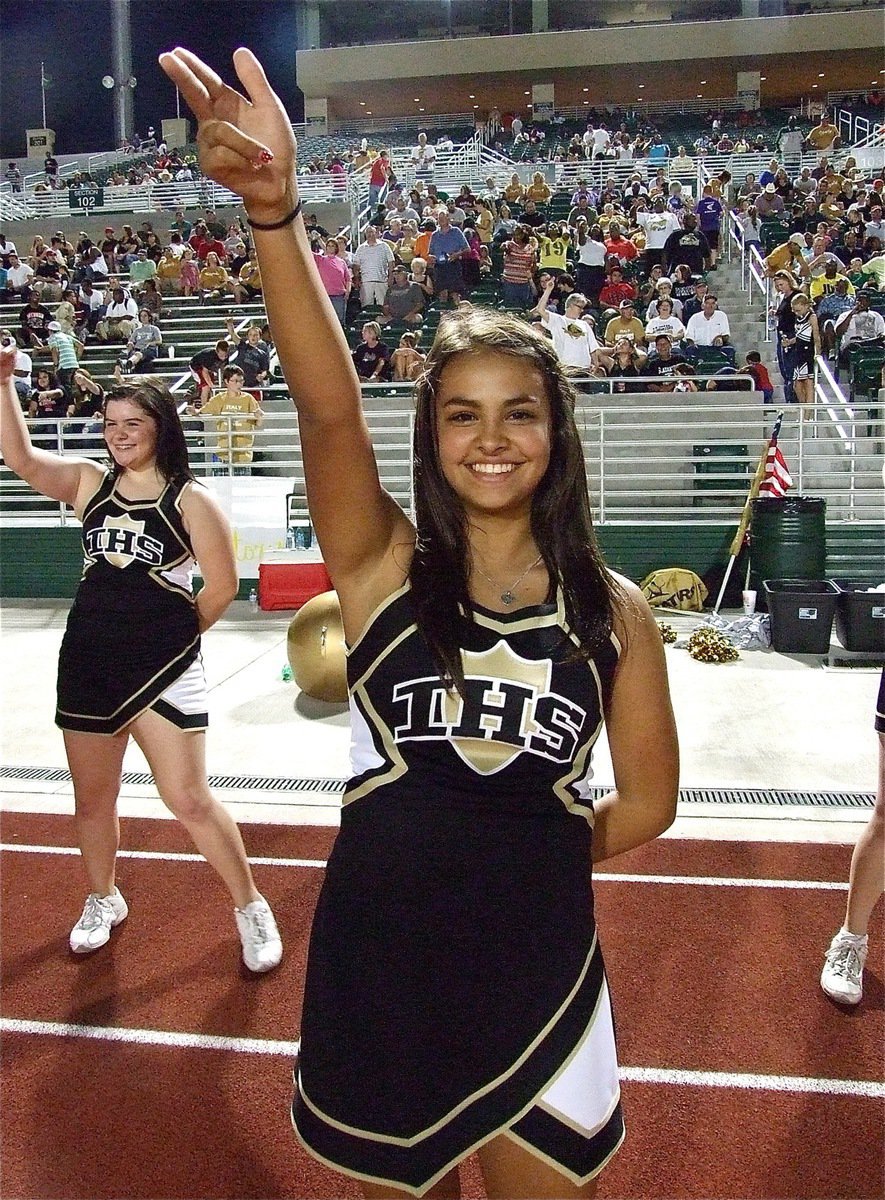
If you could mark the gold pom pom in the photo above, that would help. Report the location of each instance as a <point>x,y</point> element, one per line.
<point>708,645</point>
<point>668,633</point>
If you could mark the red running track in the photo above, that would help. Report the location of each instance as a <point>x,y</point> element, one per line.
<point>706,979</point>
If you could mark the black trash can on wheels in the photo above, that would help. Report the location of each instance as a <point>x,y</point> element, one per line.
<point>788,540</point>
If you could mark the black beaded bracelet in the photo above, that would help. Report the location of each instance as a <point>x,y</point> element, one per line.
<point>276,224</point>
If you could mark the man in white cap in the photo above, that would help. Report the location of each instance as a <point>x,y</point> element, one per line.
<point>769,203</point>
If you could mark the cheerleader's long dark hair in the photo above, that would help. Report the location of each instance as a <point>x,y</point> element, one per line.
<point>155,399</point>
<point>561,522</point>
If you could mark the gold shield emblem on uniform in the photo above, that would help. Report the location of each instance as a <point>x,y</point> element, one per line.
<point>121,546</point>
<point>496,668</point>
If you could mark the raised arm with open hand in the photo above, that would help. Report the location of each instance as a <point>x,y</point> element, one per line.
<point>246,144</point>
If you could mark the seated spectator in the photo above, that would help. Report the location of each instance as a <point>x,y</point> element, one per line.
<point>873,271</point>
<point>18,279</point>
<point>616,289</point>
<point>664,291</point>
<point>142,347</point>
<point>573,338</point>
<point>407,361</point>
<point>119,318</point>
<point>372,357</point>
<point>666,322</point>
<point>756,369</point>
<point>505,224</point>
<point>246,285</point>
<point>824,285</point>
<point>538,190</point>
<point>141,268</point>
<point>47,400</point>
<point>695,302</point>
<point>663,363</point>
<point>213,279</point>
<point>710,326</point>
<point>531,217</point>
<point>625,325</point>
<point>404,300</point>
<point>34,320</point>
<point>860,323</point>
<point>628,362</point>
<point>514,192</point>
<point>205,367</point>
<point>420,276</point>
<point>50,278</point>
<point>149,297</point>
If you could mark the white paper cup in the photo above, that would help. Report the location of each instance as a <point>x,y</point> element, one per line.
<point>749,599</point>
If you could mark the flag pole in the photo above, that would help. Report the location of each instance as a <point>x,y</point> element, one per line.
<point>746,512</point>
<point>43,91</point>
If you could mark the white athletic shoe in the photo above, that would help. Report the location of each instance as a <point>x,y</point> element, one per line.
<point>262,947</point>
<point>100,915</point>
<point>842,976</point>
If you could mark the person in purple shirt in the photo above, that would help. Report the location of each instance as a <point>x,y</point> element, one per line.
<point>709,212</point>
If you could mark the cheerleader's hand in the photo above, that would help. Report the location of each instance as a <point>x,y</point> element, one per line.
<point>246,142</point>
<point>7,361</point>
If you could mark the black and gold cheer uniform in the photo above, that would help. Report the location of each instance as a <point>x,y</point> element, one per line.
<point>455,986</point>
<point>132,639</point>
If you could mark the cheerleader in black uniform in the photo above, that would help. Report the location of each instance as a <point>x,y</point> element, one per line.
<point>806,347</point>
<point>130,658</point>
<point>455,998</point>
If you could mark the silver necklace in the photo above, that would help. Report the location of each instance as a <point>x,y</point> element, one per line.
<point>509,594</point>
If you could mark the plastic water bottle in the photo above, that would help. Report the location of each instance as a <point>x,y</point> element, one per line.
<point>290,538</point>
<point>300,538</point>
<point>286,674</point>
<point>253,600</point>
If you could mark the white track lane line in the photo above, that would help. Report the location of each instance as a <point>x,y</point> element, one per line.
<point>658,1075</point>
<point>601,876</point>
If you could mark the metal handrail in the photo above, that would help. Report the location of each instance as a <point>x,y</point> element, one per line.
<point>640,453</point>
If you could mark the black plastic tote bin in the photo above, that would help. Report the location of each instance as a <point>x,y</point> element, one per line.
<point>860,617</point>
<point>801,612</point>
<point>788,539</point>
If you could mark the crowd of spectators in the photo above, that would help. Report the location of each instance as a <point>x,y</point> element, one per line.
<point>616,271</point>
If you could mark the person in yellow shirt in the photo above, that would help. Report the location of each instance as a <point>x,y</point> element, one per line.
<point>169,272</point>
<point>213,278</point>
<point>554,241</point>
<point>823,285</point>
<point>823,137</point>
<point>235,437</point>
<point>788,256</point>
<point>538,190</point>
<point>247,285</point>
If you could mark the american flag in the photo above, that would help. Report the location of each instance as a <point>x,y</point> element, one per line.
<point>777,478</point>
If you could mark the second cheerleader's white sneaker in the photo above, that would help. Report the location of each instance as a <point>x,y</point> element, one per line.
<point>842,976</point>
<point>262,946</point>
<point>100,914</point>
